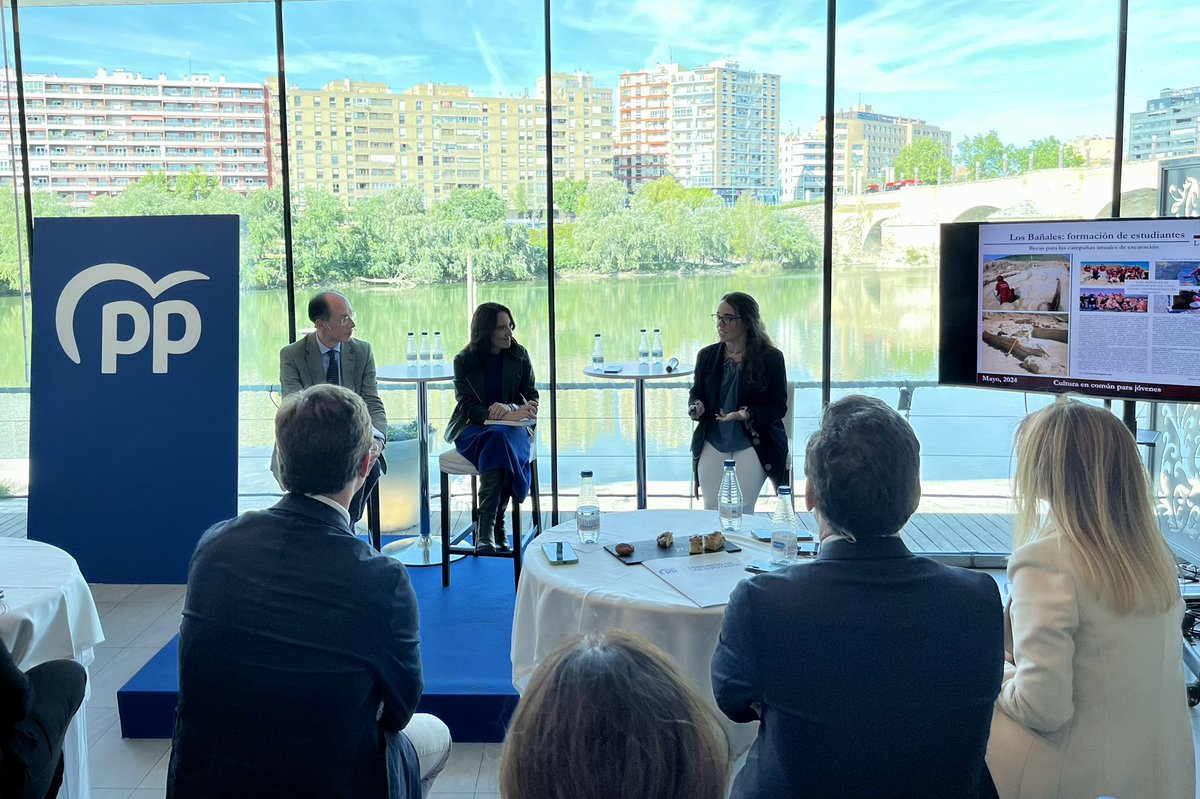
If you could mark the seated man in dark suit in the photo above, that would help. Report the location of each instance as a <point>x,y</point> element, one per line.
<point>330,354</point>
<point>35,709</point>
<point>298,663</point>
<point>871,670</point>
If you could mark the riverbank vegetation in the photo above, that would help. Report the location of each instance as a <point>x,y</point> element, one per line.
<point>396,237</point>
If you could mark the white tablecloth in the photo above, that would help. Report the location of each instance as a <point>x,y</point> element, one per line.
<point>48,613</point>
<point>602,593</point>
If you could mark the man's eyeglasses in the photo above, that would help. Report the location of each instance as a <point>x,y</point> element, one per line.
<point>724,319</point>
<point>343,320</point>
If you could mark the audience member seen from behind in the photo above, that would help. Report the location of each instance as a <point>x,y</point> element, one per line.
<point>35,709</point>
<point>299,670</point>
<point>872,670</point>
<point>739,397</point>
<point>1093,700</point>
<point>608,715</point>
<point>493,380</point>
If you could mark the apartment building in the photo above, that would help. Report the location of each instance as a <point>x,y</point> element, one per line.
<point>1169,127</point>
<point>714,127</point>
<point>354,138</point>
<point>801,168</point>
<point>866,144</point>
<point>96,136</point>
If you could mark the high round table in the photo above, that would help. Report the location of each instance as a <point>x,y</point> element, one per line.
<point>602,593</point>
<point>48,613</point>
<point>639,373</point>
<point>427,551</point>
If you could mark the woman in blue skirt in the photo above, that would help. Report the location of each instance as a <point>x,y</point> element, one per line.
<point>493,381</point>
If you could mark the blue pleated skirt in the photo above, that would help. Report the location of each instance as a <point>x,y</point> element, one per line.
<point>491,447</point>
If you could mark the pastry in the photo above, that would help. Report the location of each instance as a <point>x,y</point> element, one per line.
<point>624,549</point>
<point>714,541</point>
<point>666,540</point>
<point>696,544</point>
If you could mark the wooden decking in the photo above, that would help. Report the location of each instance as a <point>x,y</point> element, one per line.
<point>932,533</point>
<point>952,533</point>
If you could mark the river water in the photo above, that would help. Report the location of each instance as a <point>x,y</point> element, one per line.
<point>884,333</point>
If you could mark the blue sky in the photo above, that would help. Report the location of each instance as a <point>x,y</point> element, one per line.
<point>1025,68</point>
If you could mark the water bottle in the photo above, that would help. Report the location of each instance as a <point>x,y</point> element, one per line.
<point>410,352</point>
<point>437,348</point>
<point>656,350</point>
<point>729,500</point>
<point>597,352</point>
<point>423,355</point>
<point>587,510</point>
<point>783,529</point>
<point>643,348</point>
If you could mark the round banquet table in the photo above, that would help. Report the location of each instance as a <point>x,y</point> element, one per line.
<point>602,593</point>
<point>48,613</point>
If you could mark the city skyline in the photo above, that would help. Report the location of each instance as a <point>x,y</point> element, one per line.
<point>495,48</point>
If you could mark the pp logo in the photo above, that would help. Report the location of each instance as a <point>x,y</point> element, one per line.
<point>110,345</point>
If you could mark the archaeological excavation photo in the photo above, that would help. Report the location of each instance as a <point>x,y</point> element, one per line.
<point>1039,282</point>
<point>1020,343</point>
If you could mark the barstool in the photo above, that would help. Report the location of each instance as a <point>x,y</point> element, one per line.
<point>452,462</point>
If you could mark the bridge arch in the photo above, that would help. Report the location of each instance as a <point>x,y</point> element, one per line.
<point>1136,202</point>
<point>873,241</point>
<point>979,213</point>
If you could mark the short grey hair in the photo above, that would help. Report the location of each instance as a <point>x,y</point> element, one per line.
<point>322,433</point>
<point>863,466</point>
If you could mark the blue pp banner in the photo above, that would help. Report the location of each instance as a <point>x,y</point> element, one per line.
<point>134,390</point>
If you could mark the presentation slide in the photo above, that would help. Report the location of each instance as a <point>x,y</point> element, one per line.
<point>1106,307</point>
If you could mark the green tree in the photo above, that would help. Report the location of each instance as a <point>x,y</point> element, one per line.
<point>988,154</point>
<point>321,240</point>
<point>568,193</point>
<point>923,160</point>
<point>481,205</point>
<point>162,194</point>
<point>1045,153</point>
<point>263,258</point>
<point>12,232</point>
<point>669,190</point>
<point>603,198</point>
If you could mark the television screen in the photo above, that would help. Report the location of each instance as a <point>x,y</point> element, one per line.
<point>1103,307</point>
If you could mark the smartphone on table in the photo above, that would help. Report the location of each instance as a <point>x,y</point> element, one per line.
<point>559,553</point>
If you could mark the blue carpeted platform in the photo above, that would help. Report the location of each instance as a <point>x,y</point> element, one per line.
<point>466,631</point>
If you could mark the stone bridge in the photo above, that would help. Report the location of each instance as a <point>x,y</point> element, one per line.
<point>897,229</point>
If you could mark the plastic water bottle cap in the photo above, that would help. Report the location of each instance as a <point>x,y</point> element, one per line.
<point>643,330</point>
<point>785,491</point>
<point>586,473</point>
<point>730,464</point>
<point>437,332</point>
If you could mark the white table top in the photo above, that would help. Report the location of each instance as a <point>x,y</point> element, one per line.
<point>633,370</point>
<point>427,372</point>
<point>47,611</point>
<point>602,593</point>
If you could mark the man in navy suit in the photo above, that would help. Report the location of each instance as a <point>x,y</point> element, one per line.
<point>299,672</point>
<point>871,670</point>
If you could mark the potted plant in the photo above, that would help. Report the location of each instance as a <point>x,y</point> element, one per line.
<point>400,488</point>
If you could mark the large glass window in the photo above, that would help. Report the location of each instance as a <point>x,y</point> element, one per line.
<point>414,190</point>
<point>124,122</point>
<point>670,140</point>
<point>14,285</point>
<point>965,127</point>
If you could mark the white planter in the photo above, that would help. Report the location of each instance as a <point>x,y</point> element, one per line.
<point>400,488</point>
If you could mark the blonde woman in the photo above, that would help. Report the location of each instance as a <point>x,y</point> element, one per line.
<point>1093,700</point>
